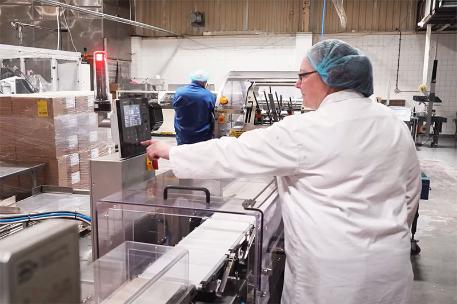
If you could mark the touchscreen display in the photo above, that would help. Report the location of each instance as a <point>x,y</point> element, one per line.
<point>132,116</point>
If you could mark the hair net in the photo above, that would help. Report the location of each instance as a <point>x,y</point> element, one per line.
<point>342,66</point>
<point>199,75</point>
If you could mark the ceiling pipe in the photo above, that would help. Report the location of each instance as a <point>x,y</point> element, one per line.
<point>106,16</point>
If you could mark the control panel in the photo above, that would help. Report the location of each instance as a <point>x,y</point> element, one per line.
<point>134,125</point>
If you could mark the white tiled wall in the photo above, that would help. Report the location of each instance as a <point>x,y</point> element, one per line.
<point>382,49</point>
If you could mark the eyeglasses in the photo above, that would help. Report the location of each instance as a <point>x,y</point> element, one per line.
<point>303,75</point>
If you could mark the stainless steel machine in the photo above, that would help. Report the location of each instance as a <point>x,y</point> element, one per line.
<point>41,264</point>
<point>230,229</point>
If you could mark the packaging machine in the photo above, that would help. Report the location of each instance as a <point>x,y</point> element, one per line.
<point>229,228</point>
<point>252,99</point>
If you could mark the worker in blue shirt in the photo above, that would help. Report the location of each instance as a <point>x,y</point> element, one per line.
<point>194,106</point>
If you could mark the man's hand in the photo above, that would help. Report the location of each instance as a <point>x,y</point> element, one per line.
<point>156,149</point>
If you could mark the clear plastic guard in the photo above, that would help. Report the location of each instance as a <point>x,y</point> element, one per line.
<point>241,213</point>
<point>136,273</point>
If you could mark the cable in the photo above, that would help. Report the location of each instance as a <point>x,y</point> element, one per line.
<point>69,31</point>
<point>323,18</point>
<point>398,64</point>
<point>44,216</point>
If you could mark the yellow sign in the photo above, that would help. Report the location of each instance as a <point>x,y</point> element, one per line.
<point>236,132</point>
<point>42,108</point>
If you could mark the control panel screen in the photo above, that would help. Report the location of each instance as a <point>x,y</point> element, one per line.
<point>132,115</point>
<point>134,125</point>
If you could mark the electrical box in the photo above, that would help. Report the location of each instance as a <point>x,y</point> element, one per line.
<point>197,19</point>
<point>73,76</point>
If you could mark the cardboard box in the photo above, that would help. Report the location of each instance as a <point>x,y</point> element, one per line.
<point>6,108</point>
<point>39,137</point>
<point>32,107</point>
<point>95,151</point>
<point>85,103</point>
<point>7,151</point>
<point>7,140</point>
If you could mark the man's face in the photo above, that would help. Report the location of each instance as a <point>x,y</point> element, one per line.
<point>312,88</point>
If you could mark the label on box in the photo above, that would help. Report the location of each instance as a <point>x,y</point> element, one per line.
<point>75,178</point>
<point>70,102</point>
<point>93,136</point>
<point>90,101</point>
<point>42,108</point>
<point>74,159</point>
<point>72,141</point>
<point>94,153</point>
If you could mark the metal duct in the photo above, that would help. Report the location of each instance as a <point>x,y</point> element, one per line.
<point>106,16</point>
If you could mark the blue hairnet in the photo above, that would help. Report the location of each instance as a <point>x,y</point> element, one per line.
<point>342,66</point>
<point>199,75</point>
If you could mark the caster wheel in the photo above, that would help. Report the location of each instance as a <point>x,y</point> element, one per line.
<point>415,249</point>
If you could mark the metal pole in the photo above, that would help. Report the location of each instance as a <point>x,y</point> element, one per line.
<point>106,16</point>
<point>246,16</point>
<point>425,77</point>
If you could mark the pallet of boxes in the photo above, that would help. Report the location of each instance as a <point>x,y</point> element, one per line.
<point>56,128</point>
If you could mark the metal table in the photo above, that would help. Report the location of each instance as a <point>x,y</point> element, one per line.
<point>56,201</point>
<point>13,168</point>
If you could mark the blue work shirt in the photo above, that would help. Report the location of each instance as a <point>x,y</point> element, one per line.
<point>194,119</point>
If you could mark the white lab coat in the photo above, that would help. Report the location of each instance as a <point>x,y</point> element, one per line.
<point>349,182</point>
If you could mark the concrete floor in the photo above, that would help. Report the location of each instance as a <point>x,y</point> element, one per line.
<point>435,268</point>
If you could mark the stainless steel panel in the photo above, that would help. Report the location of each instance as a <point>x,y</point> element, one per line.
<point>47,202</point>
<point>109,175</point>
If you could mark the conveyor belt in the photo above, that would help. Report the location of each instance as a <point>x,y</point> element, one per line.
<point>209,243</point>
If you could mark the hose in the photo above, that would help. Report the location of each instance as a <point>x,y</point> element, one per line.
<point>22,218</point>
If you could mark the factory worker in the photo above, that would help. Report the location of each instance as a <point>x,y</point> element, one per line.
<point>194,107</point>
<point>348,179</point>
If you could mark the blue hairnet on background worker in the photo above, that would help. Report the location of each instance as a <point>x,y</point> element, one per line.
<point>348,178</point>
<point>194,106</point>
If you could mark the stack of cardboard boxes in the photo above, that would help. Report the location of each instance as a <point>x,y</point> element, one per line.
<point>59,129</point>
